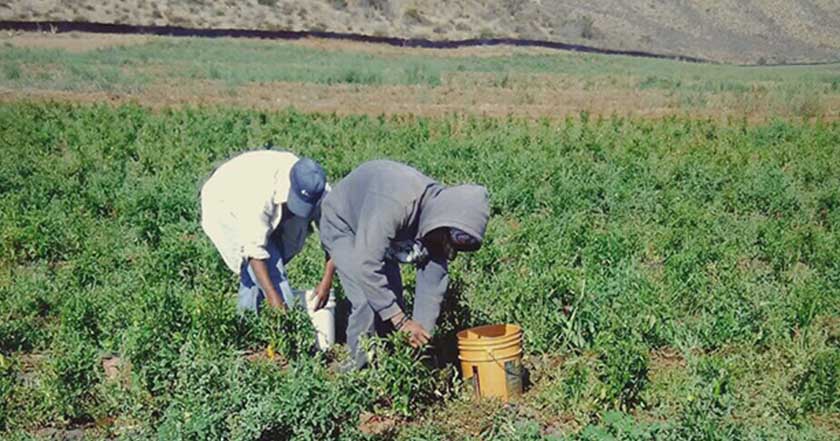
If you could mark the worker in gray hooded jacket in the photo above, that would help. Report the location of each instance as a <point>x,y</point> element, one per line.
<point>385,213</point>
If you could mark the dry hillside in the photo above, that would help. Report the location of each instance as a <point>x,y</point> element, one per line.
<point>742,31</point>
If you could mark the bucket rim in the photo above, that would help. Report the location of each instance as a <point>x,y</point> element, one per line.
<point>462,335</point>
<point>506,346</point>
<point>491,359</point>
<point>495,345</point>
<point>486,342</point>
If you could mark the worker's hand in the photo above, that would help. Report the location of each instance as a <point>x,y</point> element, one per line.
<point>264,281</point>
<point>322,291</point>
<point>276,301</point>
<point>417,335</point>
<point>322,294</point>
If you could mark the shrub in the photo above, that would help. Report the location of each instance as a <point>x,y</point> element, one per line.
<point>587,30</point>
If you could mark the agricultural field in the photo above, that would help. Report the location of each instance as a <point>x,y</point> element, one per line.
<point>667,234</point>
<point>676,279</point>
<point>349,78</point>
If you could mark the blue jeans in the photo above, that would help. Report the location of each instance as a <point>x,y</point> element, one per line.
<point>251,296</point>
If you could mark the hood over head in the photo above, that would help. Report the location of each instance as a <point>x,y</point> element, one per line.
<point>465,207</point>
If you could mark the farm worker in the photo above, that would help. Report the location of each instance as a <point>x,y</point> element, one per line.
<point>258,209</point>
<point>383,214</point>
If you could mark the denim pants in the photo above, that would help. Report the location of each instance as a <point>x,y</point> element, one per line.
<point>251,296</point>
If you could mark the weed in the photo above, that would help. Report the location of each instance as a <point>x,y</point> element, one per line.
<point>621,427</point>
<point>819,386</point>
<point>353,76</point>
<point>11,71</point>
<point>587,27</point>
<point>422,74</point>
<point>413,17</point>
<point>651,82</point>
<point>338,4</point>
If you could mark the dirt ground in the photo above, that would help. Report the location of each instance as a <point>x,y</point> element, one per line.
<point>71,42</point>
<point>387,50</point>
<point>420,101</point>
<point>389,100</point>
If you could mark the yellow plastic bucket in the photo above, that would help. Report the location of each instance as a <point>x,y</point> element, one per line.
<point>491,360</point>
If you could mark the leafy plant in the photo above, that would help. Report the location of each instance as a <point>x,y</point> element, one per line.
<point>819,385</point>
<point>621,427</point>
<point>7,380</point>
<point>400,378</point>
<point>288,333</point>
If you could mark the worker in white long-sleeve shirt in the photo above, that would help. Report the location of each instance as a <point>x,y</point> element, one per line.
<point>258,208</point>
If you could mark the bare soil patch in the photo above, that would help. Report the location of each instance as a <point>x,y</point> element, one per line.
<point>387,50</point>
<point>71,42</point>
<point>417,100</point>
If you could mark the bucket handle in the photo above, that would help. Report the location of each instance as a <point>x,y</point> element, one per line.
<point>498,362</point>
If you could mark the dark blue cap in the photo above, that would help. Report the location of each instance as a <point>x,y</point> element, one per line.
<point>308,181</point>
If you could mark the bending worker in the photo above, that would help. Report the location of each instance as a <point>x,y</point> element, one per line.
<point>258,209</point>
<point>385,213</point>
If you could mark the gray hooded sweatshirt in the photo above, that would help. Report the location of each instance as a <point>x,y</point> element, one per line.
<point>383,203</point>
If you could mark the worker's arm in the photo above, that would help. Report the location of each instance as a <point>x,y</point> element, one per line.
<point>254,234</point>
<point>374,235</point>
<point>432,282</point>
<point>260,267</point>
<point>322,291</point>
<point>381,219</point>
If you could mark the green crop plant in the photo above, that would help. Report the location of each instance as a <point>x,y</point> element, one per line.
<point>288,333</point>
<point>401,380</point>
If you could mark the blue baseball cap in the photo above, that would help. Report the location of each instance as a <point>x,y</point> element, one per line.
<point>308,181</point>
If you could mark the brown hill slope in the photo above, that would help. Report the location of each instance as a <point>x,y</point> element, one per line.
<point>741,31</point>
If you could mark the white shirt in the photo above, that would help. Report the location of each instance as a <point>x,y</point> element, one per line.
<point>241,205</point>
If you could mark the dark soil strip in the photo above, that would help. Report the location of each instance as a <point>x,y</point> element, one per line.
<point>177,31</point>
